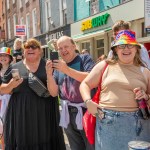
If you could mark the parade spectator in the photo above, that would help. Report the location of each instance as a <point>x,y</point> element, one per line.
<point>18,50</point>
<point>118,118</point>
<point>85,51</point>
<point>68,73</point>
<point>32,122</point>
<point>5,60</point>
<point>122,25</point>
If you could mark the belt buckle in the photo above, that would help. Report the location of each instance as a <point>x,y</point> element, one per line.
<point>100,114</point>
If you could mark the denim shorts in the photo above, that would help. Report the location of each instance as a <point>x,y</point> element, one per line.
<point>116,129</point>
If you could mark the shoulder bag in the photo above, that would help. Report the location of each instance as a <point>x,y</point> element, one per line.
<point>37,85</point>
<point>89,121</point>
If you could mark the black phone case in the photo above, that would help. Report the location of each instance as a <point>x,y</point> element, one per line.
<point>54,56</point>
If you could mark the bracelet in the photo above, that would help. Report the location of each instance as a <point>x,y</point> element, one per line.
<point>87,100</point>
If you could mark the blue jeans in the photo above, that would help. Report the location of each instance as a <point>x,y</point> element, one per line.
<point>116,129</point>
<point>76,137</point>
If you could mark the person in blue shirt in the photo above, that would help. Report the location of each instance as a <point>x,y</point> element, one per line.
<point>65,81</point>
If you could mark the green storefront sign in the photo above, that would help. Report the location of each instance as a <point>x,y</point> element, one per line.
<point>95,22</point>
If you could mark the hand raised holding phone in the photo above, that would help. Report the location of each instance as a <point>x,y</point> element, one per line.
<point>15,74</point>
<point>54,55</point>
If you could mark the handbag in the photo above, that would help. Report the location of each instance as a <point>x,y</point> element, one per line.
<point>89,121</point>
<point>37,85</point>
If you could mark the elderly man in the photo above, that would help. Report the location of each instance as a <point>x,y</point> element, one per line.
<point>68,73</point>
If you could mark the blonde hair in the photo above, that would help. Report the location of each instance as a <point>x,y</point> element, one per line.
<point>17,40</point>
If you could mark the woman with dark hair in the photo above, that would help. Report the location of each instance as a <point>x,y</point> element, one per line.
<point>125,80</point>
<point>32,121</point>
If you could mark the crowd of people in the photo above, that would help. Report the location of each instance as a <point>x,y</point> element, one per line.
<point>34,122</point>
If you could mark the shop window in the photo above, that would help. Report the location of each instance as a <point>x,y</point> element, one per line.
<point>22,21</point>
<point>8,7</point>
<point>28,25</point>
<point>21,3</point>
<point>86,45</point>
<point>48,15</point>
<point>9,30</point>
<point>100,47</point>
<point>34,18</point>
<point>144,33</point>
<point>107,4</point>
<point>79,12</point>
<point>64,11</point>
<point>15,22</point>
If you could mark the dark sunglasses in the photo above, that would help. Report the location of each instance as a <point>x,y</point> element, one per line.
<point>123,46</point>
<point>31,46</point>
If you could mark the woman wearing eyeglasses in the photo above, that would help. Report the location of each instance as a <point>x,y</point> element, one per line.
<point>125,80</point>
<point>32,122</point>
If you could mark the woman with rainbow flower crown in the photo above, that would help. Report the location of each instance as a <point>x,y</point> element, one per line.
<point>5,59</point>
<point>125,80</point>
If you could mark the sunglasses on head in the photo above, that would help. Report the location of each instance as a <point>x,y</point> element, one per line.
<point>31,46</point>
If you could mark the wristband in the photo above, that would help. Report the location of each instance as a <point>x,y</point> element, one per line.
<point>87,100</point>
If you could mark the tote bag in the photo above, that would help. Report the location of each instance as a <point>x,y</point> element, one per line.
<point>89,121</point>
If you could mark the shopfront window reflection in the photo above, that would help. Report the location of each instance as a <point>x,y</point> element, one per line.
<point>99,47</point>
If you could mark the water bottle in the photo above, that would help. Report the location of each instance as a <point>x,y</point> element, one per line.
<point>143,108</point>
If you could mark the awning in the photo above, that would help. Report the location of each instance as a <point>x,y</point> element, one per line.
<point>90,34</point>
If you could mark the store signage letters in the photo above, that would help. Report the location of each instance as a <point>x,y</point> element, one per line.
<point>56,35</point>
<point>95,22</point>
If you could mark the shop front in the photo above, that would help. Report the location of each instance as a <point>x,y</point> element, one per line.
<point>55,34</point>
<point>93,35</point>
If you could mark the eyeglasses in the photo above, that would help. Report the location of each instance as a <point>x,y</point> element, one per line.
<point>123,46</point>
<point>31,46</point>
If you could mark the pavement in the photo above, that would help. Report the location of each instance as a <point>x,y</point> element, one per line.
<point>66,142</point>
<point>65,137</point>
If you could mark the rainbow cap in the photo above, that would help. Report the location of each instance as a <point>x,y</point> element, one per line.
<point>125,37</point>
<point>6,50</point>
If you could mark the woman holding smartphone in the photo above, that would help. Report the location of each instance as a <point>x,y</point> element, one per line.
<point>5,60</point>
<point>32,122</point>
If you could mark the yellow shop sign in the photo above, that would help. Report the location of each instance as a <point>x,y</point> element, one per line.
<point>95,22</point>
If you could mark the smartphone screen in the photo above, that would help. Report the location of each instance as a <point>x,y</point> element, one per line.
<point>15,74</point>
<point>53,56</point>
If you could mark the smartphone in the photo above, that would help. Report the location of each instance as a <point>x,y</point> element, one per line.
<point>15,74</point>
<point>53,56</point>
